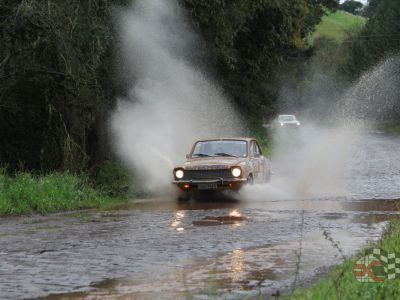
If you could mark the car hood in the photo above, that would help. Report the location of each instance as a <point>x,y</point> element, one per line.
<point>205,163</point>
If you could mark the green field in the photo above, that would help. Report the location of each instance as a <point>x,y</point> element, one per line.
<point>336,25</point>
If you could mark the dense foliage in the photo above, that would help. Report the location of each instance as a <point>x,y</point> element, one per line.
<point>379,38</point>
<point>56,87</point>
<point>377,43</point>
<point>363,65</point>
<point>351,6</point>
<point>250,41</point>
<point>56,69</point>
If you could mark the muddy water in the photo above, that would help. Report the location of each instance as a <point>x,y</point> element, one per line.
<point>158,248</point>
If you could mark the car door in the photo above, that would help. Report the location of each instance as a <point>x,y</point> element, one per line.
<point>255,160</point>
<point>265,171</point>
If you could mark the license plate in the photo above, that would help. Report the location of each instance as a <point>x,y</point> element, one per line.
<point>207,186</point>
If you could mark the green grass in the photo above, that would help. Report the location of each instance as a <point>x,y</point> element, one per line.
<point>341,283</point>
<point>25,193</point>
<point>336,25</point>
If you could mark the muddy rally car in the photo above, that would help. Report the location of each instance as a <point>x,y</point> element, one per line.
<point>222,164</point>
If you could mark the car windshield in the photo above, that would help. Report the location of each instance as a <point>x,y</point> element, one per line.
<point>220,148</point>
<point>287,118</point>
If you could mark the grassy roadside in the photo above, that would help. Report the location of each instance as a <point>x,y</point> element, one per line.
<point>25,193</point>
<point>341,283</point>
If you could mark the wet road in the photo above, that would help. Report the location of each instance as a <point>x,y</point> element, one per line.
<point>158,248</point>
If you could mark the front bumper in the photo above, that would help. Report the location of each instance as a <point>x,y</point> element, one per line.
<point>286,126</point>
<point>218,184</point>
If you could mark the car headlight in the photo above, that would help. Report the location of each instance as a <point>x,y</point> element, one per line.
<point>298,123</point>
<point>179,174</point>
<point>236,172</point>
<point>281,124</point>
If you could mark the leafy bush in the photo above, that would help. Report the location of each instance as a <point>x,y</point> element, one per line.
<point>25,193</point>
<point>114,180</point>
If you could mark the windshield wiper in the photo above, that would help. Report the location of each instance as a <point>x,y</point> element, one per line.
<point>201,155</point>
<point>224,154</point>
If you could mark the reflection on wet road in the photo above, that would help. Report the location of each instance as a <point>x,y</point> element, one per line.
<point>159,248</point>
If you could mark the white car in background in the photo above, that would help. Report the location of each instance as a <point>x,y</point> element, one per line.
<point>287,121</point>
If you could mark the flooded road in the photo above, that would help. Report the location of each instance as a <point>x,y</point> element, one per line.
<point>159,248</point>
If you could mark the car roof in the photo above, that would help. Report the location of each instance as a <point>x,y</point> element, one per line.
<point>247,139</point>
<point>286,116</point>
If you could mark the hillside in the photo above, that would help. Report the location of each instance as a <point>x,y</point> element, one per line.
<point>336,24</point>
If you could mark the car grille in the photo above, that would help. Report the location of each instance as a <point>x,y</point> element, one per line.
<point>207,174</point>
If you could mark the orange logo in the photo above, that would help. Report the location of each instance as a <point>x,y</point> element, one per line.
<point>369,269</point>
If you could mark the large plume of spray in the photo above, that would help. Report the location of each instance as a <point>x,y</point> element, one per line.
<point>171,102</point>
<point>375,96</point>
<point>316,160</point>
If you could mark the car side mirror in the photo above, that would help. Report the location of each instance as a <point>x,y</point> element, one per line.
<point>187,156</point>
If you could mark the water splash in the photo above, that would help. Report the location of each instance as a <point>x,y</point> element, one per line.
<point>171,103</point>
<point>375,95</point>
<point>316,161</point>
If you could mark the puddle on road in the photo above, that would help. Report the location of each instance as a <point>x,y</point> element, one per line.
<point>265,269</point>
<point>347,203</point>
<point>247,272</point>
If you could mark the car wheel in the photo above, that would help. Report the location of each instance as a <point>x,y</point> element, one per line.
<point>250,179</point>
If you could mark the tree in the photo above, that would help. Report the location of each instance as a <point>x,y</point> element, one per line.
<point>353,7</point>
<point>370,9</point>
<point>378,41</point>
<point>55,92</point>
<point>250,40</point>
<point>56,62</point>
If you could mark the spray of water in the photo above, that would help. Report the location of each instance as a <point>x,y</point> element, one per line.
<point>171,103</point>
<point>316,161</point>
<point>308,162</point>
<point>374,96</point>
